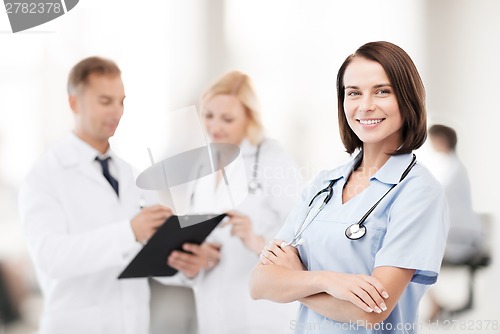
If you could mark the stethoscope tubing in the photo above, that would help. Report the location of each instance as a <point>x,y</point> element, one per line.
<point>297,240</point>
<point>355,231</point>
<point>254,185</point>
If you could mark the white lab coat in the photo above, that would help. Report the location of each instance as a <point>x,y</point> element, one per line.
<point>223,301</point>
<point>80,238</point>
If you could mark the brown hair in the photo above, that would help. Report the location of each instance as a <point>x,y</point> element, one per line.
<point>239,85</point>
<point>81,72</point>
<point>408,88</point>
<point>445,132</point>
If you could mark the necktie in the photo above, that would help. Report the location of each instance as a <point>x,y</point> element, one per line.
<point>105,171</point>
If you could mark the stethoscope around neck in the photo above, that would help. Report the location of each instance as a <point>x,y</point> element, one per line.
<point>355,231</point>
<point>255,186</point>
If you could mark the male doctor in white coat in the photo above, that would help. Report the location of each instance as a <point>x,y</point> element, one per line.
<point>82,216</point>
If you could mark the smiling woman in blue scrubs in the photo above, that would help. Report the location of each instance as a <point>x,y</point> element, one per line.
<point>360,255</point>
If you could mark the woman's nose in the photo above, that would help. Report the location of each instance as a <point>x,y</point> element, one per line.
<point>366,104</point>
<point>212,125</point>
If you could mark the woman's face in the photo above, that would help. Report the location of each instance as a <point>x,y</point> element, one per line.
<point>225,119</point>
<point>370,105</point>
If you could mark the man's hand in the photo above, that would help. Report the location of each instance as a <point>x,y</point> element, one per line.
<point>195,258</point>
<point>146,222</point>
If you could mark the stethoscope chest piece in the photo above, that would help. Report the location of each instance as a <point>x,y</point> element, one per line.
<point>355,231</point>
<point>254,187</point>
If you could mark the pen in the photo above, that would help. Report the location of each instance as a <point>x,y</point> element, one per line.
<point>142,202</point>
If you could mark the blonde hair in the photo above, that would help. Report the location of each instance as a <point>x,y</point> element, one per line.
<point>238,84</point>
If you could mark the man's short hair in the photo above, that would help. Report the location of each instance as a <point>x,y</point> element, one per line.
<point>80,73</point>
<point>445,132</point>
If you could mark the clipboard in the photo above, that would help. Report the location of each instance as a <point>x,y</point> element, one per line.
<point>177,230</point>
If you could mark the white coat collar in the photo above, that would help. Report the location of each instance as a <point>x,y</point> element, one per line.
<point>247,148</point>
<point>73,151</point>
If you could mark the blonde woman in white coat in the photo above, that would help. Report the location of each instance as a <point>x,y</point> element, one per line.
<point>221,267</point>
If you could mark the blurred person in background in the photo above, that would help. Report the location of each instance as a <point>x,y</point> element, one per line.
<point>220,268</point>
<point>81,215</point>
<point>465,235</point>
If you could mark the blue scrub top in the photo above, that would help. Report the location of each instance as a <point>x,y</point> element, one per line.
<point>408,229</point>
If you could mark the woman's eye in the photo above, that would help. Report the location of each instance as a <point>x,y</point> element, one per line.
<point>383,92</point>
<point>352,93</point>
<point>228,120</point>
<point>208,116</point>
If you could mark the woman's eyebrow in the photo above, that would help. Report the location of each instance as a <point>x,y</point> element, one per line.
<point>382,85</point>
<point>376,86</point>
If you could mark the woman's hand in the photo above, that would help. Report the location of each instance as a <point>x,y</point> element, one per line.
<point>241,227</point>
<point>194,258</point>
<point>285,256</point>
<point>364,291</point>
